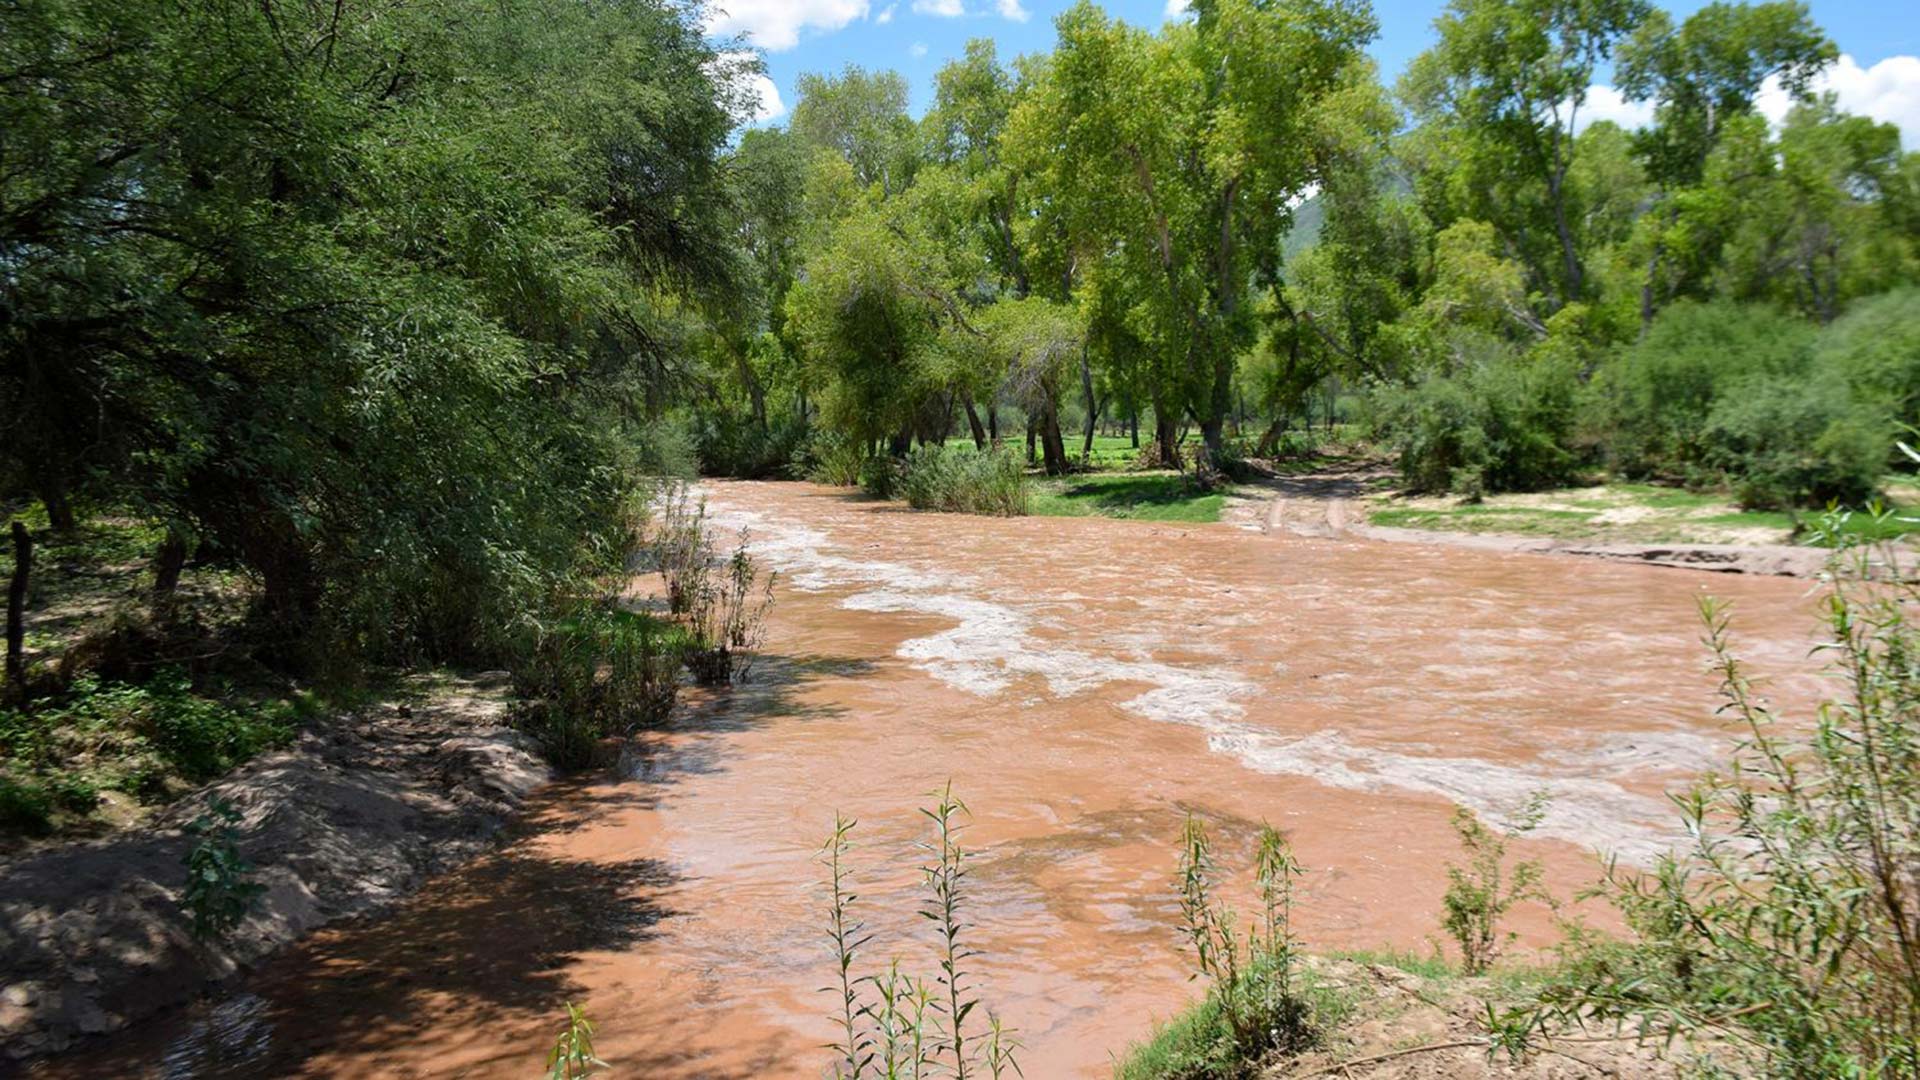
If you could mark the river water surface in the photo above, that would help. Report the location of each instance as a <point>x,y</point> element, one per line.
<point>1084,684</point>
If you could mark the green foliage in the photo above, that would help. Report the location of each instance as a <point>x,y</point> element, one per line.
<point>1788,442</point>
<point>374,316</point>
<point>964,481</point>
<point>1753,399</point>
<point>739,446</point>
<point>1260,1002</point>
<point>572,1056</point>
<point>1875,348</point>
<point>912,1027</point>
<point>142,739</point>
<point>728,618</point>
<point>1784,929</point>
<point>1499,425</point>
<point>219,892</point>
<point>603,671</point>
<point>1480,893</point>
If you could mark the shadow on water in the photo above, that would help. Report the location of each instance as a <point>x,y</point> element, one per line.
<point>489,945</point>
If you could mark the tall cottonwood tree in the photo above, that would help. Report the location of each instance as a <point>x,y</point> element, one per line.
<point>1176,157</point>
<point>1498,100</point>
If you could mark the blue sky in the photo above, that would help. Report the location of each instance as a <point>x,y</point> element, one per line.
<point>1880,77</point>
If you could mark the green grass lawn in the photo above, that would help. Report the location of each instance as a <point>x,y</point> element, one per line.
<point>1161,496</point>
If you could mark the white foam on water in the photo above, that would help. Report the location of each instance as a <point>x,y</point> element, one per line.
<point>992,645</point>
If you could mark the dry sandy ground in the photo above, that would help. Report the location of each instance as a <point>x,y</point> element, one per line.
<point>1332,502</point>
<point>360,810</point>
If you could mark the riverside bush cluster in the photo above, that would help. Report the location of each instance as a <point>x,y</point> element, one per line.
<point>1780,412</point>
<point>960,481</point>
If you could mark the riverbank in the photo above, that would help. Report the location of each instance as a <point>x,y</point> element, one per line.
<point>1355,499</point>
<point>362,808</point>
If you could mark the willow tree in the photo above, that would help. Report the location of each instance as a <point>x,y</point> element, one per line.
<point>1177,156</point>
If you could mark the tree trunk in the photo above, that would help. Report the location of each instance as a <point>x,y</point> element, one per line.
<point>1053,447</point>
<point>902,441</point>
<point>751,384</point>
<point>1166,439</point>
<point>53,493</point>
<point>1133,426</point>
<point>973,424</point>
<point>1033,432</point>
<point>993,422</point>
<point>1093,404</point>
<point>17,610</point>
<point>167,564</point>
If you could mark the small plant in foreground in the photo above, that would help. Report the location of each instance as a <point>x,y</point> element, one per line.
<point>911,1029</point>
<point>219,893</point>
<point>728,618</point>
<point>572,1056</point>
<point>1260,1000</point>
<point>1480,894</point>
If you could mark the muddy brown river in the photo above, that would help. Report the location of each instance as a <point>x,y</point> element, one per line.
<point>1084,684</point>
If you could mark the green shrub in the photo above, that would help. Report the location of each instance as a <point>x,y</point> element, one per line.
<point>1785,441</point>
<point>26,806</point>
<point>102,735</point>
<point>1260,1001</point>
<point>880,476</point>
<point>1652,401</point>
<point>1504,424</point>
<point>1784,930</point>
<point>728,444</point>
<point>603,671</point>
<point>831,458</point>
<point>964,481</point>
<point>1875,348</point>
<point>219,890</point>
<point>728,619</point>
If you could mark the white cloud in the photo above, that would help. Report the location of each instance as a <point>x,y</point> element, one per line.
<point>1176,8</point>
<point>886,14</point>
<point>1889,92</point>
<point>917,49</point>
<point>1011,9</point>
<point>946,9</point>
<point>758,99</point>
<point>776,24</point>
<point>770,107</point>
<point>1605,103</point>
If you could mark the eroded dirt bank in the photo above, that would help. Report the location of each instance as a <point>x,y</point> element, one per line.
<point>1085,684</point>
<point>351,817</point>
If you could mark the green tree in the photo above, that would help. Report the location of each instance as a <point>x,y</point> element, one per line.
<point>1499,98</point>
<point>1177,157</point>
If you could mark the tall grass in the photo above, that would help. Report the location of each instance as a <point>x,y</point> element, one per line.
<point>963,481</point>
